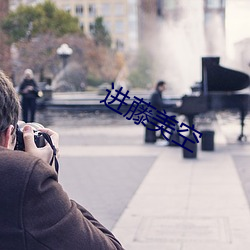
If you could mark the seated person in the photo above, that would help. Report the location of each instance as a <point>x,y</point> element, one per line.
<point>156,98</point>
<point>157,102</point>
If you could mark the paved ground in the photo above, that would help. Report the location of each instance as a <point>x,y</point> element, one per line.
<point>149,195</point>
<point>97,168</point>
<point>103,184</point>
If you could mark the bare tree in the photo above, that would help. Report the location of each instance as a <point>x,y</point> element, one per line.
<point>97,62</point>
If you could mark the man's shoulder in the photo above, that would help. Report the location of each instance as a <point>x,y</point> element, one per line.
<point>22,163</point>
<point>16,169</point>
<point>17,161</point>
<point>155,95</point>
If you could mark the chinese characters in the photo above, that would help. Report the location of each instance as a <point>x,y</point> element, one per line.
<point>142,112</point>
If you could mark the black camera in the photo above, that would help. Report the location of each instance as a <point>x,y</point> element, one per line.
<point>38,137</point>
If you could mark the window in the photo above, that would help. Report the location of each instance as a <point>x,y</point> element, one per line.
<point>119,44</point>
<point>79,10</point>
<point>119,9</point>
<point>107,25</point>
<point>106,9</point>
<point>92,10</point>
<point>91,27</point>
<point>119,26</point>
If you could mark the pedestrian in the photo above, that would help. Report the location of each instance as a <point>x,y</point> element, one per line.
<point>29,92</point>
<point>35,212</point>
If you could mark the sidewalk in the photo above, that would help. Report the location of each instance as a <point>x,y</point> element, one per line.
<point>166,203</point>
<point>188,204</point>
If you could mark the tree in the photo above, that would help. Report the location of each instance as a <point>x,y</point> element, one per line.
<point>141,75</point>
<point>93,64</point>
<point>5,62</point>
<point>42,18</point>
<point>100,33</point>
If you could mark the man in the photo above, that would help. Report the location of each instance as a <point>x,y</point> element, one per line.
<point>35,212</point>
<point>157,102</point>
<point>29,91</point>
<point>156,98</point>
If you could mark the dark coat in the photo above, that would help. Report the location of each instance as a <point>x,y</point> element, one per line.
<point>156,100</point>
<point>36,214</point>
<point>31,94</point>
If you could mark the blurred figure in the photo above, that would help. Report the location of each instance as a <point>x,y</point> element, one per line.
<point>156,97</point>
<point>29,91</point>
<point>157,102</point>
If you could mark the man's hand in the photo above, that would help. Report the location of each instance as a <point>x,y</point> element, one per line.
<point>45,153</point>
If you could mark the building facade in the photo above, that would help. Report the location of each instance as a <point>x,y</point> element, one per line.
<point>120,18</point>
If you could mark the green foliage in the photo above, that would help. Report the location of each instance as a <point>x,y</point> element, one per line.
<point>42,18</point>
<point>100,33</point>
<point>93,80</point>
<point>141,75</point>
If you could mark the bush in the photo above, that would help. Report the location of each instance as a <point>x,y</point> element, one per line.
<point>93,81</point>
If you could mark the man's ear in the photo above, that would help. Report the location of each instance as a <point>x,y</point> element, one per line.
<point>7,140</point>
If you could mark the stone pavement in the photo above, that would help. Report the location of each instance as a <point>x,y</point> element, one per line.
<point>176,203</point>
<point>189,204</point>
<point>101,168</point>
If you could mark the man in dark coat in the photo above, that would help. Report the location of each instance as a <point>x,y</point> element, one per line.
<point>29,91</point>
<point>156,98</point>
<point>157,102</point>
<point>35,212</point>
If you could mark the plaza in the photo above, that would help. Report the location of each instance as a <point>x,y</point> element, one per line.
<point>149,195</point>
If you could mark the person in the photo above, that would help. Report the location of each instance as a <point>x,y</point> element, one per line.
<point>156,98</point>
<point>29,92</point>
<point>35,212</point>
<point>157,102</point>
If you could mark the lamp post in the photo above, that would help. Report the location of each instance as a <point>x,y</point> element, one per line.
<point>64,51</point>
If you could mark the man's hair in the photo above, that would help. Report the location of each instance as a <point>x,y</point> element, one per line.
<point>159,84</point>
<point>9,104</point>
<point>28,72</point>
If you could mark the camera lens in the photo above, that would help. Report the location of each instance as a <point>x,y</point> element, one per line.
<point>35,125</point>
<point>38,137</point>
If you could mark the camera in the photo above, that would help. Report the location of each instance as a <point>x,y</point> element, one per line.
<point>38,137</point>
